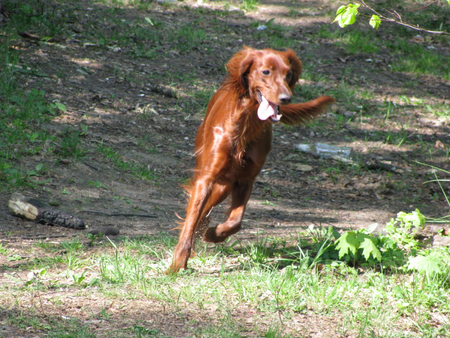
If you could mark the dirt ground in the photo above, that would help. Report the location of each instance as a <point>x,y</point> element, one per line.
<point>111,93</point>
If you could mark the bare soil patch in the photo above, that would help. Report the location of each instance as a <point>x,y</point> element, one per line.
<point>109,91</point>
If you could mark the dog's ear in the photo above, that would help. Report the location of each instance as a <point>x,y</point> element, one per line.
<point>238,68</point>
<point>296,67</point>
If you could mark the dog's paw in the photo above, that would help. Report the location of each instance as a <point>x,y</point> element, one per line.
<point>210,236</point>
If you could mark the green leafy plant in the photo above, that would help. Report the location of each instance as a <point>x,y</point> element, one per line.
<point>56,107</point>
<point>16,177</point>
<point>35,277</point>
<point>249,5</point>
<point>403,228</point>
<point>357,247</point>
<point>439,181</point>
<point>93,238</point>
<point>3,250</point>
<point>320,234</point>
<point>71,145</point>
<point>96,184</point>
<point>323,248</point>
<point>427,264</point>
<point>14,258</point>
<point>432,263</point>
<point>77,278</point>
<point>346,15</point>
<point>360,242</point>
<point>141,331</point>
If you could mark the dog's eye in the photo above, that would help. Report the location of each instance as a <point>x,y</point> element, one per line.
<point>289,75</point>
<point>266,72</point>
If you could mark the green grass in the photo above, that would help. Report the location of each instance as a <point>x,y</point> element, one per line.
<point>410,57</point>
<point>364,298</point>
<point>418,59</point>
<point>413,54</point>
<point>137,169</point>
<point>20,121</point>
<point>45,20</point>
<point>24,112</point>
<point>359,42</point>
<point>248,5</point>
<point>440,110</point>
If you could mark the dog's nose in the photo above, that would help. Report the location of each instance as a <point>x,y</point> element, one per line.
<point>285,98</point>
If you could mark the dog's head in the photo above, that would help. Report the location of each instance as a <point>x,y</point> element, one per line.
<point>266,75</point>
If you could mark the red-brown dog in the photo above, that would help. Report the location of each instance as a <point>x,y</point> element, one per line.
<point>235,137</point>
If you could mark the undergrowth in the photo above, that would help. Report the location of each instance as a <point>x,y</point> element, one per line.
<point>320,271</point>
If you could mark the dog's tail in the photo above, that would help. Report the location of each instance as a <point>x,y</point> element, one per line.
<point>300,113</point>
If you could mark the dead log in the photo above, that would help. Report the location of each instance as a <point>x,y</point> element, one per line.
<point>39,212</point>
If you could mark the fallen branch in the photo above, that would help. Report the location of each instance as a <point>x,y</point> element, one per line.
<point>37,211</point>
<point>400,22</point>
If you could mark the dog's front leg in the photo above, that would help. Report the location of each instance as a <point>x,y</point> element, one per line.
<point>239,198</point>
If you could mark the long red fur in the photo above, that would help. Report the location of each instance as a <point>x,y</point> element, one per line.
<point>232,143</point>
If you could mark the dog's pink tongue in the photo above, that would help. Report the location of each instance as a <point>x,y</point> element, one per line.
<point>266,109</point>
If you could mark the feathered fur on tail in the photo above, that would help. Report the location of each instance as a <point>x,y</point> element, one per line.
<point>300,113</point>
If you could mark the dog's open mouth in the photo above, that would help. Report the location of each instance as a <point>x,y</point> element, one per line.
<point>267,109</point>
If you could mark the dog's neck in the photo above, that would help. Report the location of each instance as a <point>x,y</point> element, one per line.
<point>247,127</point>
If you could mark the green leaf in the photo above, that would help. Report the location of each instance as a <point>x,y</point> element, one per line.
<point>270,21</point>
<point>149,21</point>
<point>375,21</point>
<point>347,242</point>
<point>416,218</point>
<point>31,173</point>
<point>60,106</point>
<point>400,230</point>
<point>14,258</point>
<point>340,10</point>
<point>372,228</point>
<point>33,137</point>
<point>346,15</point>
<point>429,264</point>
<point>369,248</point>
